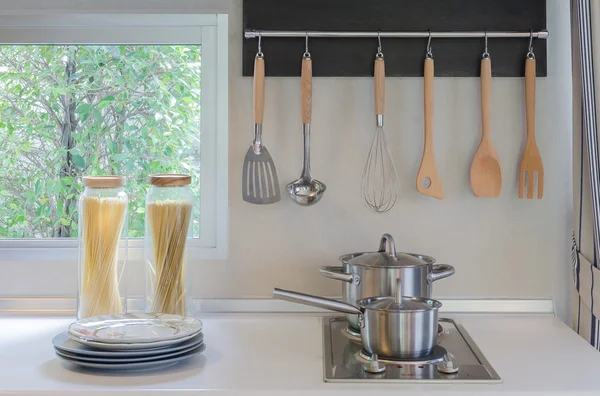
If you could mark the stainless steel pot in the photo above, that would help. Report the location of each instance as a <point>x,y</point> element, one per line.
<point>374,274</point>
<point>393,327</point>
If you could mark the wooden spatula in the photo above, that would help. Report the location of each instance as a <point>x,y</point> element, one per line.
<point>428,180</point>
<point>486,173</point>
<point>531,163</point>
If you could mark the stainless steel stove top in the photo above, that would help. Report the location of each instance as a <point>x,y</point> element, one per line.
<point>345,361</point>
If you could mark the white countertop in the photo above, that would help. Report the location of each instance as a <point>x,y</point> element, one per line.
<point>275,354</point>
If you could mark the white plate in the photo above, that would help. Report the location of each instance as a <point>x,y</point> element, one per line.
<point>153,364</point>
<point>63,343</point>
<point>133,346</point>
<point>134,328</point>
<point>129,359</point>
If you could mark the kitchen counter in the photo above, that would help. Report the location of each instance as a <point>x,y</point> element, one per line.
<point>276,354</point>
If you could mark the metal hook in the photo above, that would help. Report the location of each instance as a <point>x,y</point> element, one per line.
<point>306,53</point>
<point>530,54</point>
<point>379,53</point>
<point>429,54</point>
<point>486,54</point>
<point>259,53</point>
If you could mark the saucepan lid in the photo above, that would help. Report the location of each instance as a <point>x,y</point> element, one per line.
<point>386,256</point>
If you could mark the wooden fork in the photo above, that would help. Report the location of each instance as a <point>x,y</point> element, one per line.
<point>531,163</point>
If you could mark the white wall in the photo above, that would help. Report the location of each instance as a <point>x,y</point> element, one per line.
<point>502,247</point>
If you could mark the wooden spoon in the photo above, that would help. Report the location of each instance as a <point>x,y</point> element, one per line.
<point>486,173</point>
<point>428,180</point>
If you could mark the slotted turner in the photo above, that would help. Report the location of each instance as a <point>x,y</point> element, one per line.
<point>428,179</point>
<point>259,178</point>
<point>531,163</point>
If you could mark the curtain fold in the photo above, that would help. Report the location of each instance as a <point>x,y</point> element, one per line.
<point>585,16</point>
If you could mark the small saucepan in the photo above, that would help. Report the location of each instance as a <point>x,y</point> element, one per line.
<point>391,327</point>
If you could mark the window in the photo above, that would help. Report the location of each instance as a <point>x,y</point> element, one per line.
<point>109,94</point>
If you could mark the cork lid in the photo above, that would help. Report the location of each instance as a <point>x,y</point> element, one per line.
<point>170,180</point>
<point>103,181</point>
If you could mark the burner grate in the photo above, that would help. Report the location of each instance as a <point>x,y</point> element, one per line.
<point>436,356</point>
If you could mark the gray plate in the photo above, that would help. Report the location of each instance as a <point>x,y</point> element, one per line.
<point>63,343</point>
<point>129,359</point>
<point>152,364</point>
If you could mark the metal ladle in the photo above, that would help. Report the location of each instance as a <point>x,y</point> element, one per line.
<point>306,190</point>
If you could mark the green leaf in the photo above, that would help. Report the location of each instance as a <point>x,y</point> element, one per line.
<point>67,180</point>
<point>78,161</point>
<point>60,207</point>
<point>105,101</point>
<point>120,157</point>
<point>97,115</point>
<point>83,108</point>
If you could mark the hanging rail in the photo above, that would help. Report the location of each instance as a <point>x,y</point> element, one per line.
<point>251,33</point>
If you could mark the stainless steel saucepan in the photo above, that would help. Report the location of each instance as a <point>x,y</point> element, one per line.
<point>392,327</point>
<point>371,274</point>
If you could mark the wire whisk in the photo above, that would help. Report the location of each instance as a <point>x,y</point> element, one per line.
<point>379,182</point>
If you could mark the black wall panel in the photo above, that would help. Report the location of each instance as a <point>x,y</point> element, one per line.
<point>404,57</point>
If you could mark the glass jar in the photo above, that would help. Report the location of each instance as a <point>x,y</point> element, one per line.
<point>169,204</point>
<point>102,246</point>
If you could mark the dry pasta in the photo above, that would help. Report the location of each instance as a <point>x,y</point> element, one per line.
<point>102,221</point>
<point>169,221</point>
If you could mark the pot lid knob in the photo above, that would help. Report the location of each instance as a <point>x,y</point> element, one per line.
<point>398,294</point>
<point>374,367</point>
<point>387,245</point>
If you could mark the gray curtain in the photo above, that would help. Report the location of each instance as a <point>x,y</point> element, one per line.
<point>586,178</point>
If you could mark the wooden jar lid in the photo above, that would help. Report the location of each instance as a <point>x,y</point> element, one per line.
<point>170,180</point>
<point>103,181</point>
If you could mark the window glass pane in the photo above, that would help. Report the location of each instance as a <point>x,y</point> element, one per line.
<point>69,111</point>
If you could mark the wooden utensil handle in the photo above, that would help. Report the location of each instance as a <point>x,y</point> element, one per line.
<point>306,81</point>
<point>530,97</point>
<point>428,98</point>
<point>259,89</point>
<point>486,97</point>
<point>379,85</point>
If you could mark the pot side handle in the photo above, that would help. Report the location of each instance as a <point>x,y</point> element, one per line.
<point>336,273</point>
<point>441,271</point>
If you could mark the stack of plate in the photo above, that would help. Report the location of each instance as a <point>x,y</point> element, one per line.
<point>130,341</point>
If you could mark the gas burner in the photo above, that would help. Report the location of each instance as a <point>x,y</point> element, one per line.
<point>436,356</point>
<point>352,334</point>
<point>456,359</point>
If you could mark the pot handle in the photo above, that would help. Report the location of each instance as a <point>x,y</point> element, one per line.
<point>441,271</point>
<point>314,301</point>
<point>336,273</point>
<point>387,245</point>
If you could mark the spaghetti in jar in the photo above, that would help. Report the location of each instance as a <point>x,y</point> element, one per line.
<point>169,205</point>
<point>102,237</point>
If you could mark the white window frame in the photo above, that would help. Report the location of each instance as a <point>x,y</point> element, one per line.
<point>208,30</point>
